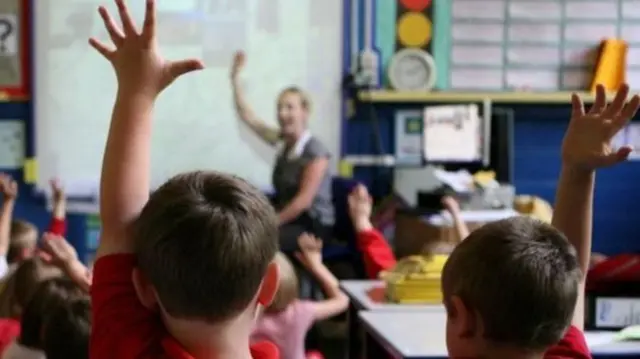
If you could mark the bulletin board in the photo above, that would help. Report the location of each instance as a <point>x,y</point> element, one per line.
<point>538,45</point>
<point>14,48</point>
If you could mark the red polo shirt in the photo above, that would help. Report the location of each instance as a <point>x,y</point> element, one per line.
<point>378,256</point>
<point>124,329</point>
<point>572,346</point>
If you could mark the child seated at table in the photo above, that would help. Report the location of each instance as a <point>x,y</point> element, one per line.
<point>67,330</point>
<point>377,253</point>
<point>515,288</point>
<point>50,295</point>
<point>286,321</point>
<point>18,291</point>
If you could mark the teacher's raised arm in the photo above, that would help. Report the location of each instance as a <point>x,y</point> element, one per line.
<point>267,133</point>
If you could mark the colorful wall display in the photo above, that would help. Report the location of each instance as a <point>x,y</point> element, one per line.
<point>421,24</point>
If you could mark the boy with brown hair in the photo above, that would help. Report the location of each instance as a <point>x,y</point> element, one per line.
<point>181,273</point>
<point>515,288</point>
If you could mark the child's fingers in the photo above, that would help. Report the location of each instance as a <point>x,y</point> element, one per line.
<point>127,22</point>
<point>179,68</point>
<point>46,257</point>
<point>101,48</point>
<point>113,30</point>
<point>149,27</point>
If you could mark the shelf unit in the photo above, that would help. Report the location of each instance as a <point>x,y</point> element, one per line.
<point>538,98</point>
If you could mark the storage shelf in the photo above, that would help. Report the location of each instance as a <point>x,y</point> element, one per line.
<point>386,96</point>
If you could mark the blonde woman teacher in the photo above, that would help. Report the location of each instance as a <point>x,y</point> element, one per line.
<point>301,177</point>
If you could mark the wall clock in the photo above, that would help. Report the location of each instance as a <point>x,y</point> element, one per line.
<point>412,69</point>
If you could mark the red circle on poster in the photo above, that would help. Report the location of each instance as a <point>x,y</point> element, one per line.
<point>416,5</point>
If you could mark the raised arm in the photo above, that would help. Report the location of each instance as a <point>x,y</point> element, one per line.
<point>62,255</point>
<point>9,189</point>
<point>58,224</point>
<point>142,74</point>
<point>585,148</point>
<point>453,207</point>
<point>267,133</point>
<point>377,254</point>
<point>310,256</point>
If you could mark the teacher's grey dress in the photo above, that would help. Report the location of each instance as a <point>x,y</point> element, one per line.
<point>287,178</point>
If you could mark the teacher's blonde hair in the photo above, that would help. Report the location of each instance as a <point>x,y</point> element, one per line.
<point>305,101</point>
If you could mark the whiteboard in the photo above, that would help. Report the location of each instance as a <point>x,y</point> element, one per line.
<point>289,42</point>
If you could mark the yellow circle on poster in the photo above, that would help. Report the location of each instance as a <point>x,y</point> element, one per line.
<point>414,30</point>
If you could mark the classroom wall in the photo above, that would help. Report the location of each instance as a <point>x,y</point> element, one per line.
<point>30,206</point>
<point>538,131</point>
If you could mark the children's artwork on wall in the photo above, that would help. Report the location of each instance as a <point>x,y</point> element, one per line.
<point>12,144</point>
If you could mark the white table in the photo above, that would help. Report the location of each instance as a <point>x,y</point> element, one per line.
<point>357,291</point>
<point>407,335</point>
<point>421,335</point>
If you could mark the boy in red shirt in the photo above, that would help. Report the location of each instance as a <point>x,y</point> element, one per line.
<point>181,273</point>
<point>515,288</point>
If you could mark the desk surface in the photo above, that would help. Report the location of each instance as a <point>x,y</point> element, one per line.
<point>421,335</point>
<point>445,219</point>
<point>359,294</point>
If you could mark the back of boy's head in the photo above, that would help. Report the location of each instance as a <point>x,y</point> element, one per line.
<point>520,276</point>
<point>67,329</point>
<point>23,240</point>
<point>204,241</point>
<point>50,295</point>
<point>287,286</point>
<point>22,284</point>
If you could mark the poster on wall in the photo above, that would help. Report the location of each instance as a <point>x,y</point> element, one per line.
<point>92,237</point>
<point>13,48</point>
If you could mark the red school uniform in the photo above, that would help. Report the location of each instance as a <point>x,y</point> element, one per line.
<point>123,328</point>
<point>572,346</point>
<point>378,256</point>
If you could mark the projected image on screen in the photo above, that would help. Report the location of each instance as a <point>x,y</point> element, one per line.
<point>287,43</point>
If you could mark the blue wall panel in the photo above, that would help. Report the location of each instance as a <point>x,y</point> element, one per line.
<point>30,207</point>
<point>538,132</point>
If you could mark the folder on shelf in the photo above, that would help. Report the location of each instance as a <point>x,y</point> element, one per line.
<point>611,65</point>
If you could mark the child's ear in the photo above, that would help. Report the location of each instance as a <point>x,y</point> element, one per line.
<point>462,319</point>
<point>144,290</point>
<point>269,285</point>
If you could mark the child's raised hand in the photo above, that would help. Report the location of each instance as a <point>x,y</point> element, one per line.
<point>239,59</point>
<point>57,191</point>
<point>136,59</point>
<point>8,186</point>
<point>450,204</point>
<point>310,253</point>
<point>587,142</point>
<point>58,251</point>
<point>360,203</point>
